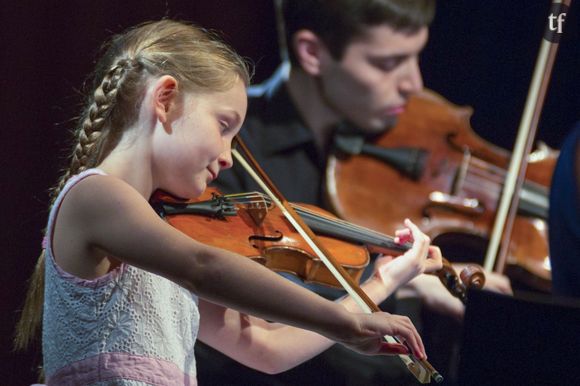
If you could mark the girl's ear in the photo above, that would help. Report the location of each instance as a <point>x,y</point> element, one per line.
<point>310,51</point>
<point>165,98</point>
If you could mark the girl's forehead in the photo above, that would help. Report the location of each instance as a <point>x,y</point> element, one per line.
<point>235,98</point>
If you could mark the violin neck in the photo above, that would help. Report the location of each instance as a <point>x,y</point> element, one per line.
<point>343,230</point>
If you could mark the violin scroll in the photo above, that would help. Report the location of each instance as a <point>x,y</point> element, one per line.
<point>472,276</point>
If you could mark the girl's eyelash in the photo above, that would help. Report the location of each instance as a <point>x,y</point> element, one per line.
<point>224,126</point>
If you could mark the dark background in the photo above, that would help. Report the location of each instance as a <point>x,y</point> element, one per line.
<point>480,54</point>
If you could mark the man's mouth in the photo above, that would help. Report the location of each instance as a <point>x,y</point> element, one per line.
<point>396,110</point>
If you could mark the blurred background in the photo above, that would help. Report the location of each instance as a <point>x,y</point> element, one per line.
<point>480,54</point>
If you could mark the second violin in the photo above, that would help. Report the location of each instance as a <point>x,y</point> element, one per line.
<point>444,177</point>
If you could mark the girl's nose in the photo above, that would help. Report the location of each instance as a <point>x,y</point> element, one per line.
<point>225,159</point>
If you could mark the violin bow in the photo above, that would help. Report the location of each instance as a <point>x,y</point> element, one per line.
<point>508,204</point>
<point>421,369</point>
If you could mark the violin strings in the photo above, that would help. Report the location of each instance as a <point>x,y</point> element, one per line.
<point>262,199</point>
<point>343,224</point>
<point>365,235</point>
<point>498,174</point>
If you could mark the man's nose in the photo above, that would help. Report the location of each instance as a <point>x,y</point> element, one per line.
<point>412,81</point>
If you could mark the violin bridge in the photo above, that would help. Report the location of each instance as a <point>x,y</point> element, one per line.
<point>257,212</point>
<point>257,208</point>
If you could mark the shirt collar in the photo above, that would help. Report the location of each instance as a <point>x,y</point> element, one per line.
<point>286,128</point>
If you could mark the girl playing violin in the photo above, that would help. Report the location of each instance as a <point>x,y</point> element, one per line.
<point>118,286</point>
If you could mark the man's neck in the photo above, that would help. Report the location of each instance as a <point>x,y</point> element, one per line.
<point>306,95</point>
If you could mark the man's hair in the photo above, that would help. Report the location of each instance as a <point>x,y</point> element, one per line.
<point>338,22</point>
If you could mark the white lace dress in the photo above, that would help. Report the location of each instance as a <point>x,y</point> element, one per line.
<point>129,327</point>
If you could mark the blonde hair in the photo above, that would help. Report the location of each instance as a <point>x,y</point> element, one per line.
<point>198,59</point>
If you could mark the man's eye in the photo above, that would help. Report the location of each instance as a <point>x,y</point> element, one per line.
<point>387,64</point>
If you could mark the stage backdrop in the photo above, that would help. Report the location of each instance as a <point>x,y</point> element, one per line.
<point>479,54</point>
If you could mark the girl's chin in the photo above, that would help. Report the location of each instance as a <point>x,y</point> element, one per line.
<point>188,193</point>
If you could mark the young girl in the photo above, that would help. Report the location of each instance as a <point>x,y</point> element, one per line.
<point>120,285</point>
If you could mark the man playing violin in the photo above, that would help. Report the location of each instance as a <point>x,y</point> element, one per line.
<point>353,62</point>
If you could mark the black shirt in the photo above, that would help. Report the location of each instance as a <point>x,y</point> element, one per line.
<point>281,144</point>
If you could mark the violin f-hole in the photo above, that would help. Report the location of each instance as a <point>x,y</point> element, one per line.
<point>277,237</point>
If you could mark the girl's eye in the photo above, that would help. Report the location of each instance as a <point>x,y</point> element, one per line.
<point>224,126</point>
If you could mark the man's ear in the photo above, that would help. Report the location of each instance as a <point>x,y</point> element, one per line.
<point>165,98</point>
<point>310,51</point>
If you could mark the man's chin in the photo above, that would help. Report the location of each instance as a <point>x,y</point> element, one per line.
<point>379,125</point>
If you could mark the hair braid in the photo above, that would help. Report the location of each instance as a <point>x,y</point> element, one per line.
<point>85,155</point>
<point>92,131</point>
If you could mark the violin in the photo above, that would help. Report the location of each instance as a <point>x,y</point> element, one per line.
<point>432,168</point>
<point>251,225</point>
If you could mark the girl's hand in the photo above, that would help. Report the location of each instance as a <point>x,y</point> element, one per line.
<point>421,258</point>
<point>373,327</point>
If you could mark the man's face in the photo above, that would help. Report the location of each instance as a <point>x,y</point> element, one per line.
<point>369,86</point>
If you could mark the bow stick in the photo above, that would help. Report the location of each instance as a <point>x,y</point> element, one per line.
<point>508,204</point>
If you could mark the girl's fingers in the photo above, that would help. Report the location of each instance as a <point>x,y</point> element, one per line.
<point>401,327</point>
<point>407,334</point>
<point>421,241</point>
<point>393,349</point>
<point>412,339</point>
<point>403,235</point>
<point>415,231</point>
<point>435,260</point>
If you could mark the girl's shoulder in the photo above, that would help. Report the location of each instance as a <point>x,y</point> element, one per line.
<point>99,197</point>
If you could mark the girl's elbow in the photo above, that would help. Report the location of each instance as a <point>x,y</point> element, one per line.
<point>274,361</point>
<point>200,274</point>
<point>274,364</point>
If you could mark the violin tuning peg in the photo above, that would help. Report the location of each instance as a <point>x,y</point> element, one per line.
<point>473,276</point>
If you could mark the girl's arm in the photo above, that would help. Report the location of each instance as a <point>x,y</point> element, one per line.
<point>105,214</point>
<point>272,347</point>
<point>267,347</point>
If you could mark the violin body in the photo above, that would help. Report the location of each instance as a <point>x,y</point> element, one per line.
<point>264,235</point>
<point>444,177</point>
